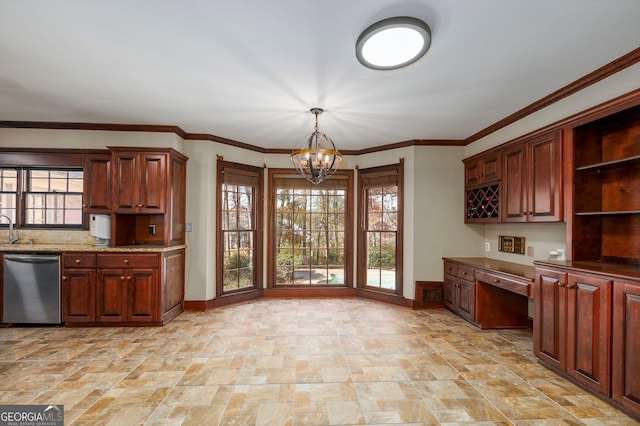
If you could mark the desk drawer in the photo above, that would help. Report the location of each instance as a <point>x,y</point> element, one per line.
<point>466,273</point>
<point>450,268</point>
<point>508,284</point>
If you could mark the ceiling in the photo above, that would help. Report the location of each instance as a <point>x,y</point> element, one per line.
<point>249,70</point>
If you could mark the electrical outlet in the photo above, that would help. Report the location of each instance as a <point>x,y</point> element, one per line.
<point>187,227</point>
<point>530,251</point>
<point>152,230</point>
<point>487,246</point>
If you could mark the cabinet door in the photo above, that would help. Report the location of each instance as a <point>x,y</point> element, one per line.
<point>544,178</point>
<point>467,299</point>
<point>626,345</point>
<point>126,182</point>
<point>549,318</point>
<point>514,190</point>
<point>153,183</point>
<point>142,303</point>
<point>485,169</point>
<point>96,197</point>
<point>111,295</point>
<point>78,290</point>
<point>588,331</point>
<point>450,294</point>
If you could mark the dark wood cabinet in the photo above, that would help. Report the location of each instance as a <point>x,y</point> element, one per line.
<point>572,326</point>
<point>488,293</point>
<point>149,196</point>
<point>459,290</point>
<point>111,296</point>
<point>532,183</point>
<point>78,288</point>
<point>123,288</point>
<point>483,169</point>
<point>128,288</point>
<point>139,182</point>
<point>482,187</point>
<point>549,317</point>
<point>97,179</point>
<point>585,326</point>
<point>588,323</point>
<point>626,345</point>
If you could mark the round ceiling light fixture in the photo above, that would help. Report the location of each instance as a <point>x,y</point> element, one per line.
<point>393,43</point>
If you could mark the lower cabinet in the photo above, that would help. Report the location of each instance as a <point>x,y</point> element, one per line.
<point>460,291</point>
<point>626,345</point>
<point>585,326</point>
<point>79,288</point>
<point>123,289</point>
<point>128,288</point>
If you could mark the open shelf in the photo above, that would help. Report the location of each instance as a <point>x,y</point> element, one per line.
<point>609,213</point>
<point>624,162</point>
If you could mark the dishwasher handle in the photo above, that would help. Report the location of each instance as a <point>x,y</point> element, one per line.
<point>31,258</point>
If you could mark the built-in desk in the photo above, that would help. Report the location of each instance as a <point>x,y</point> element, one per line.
<point>487,292</point>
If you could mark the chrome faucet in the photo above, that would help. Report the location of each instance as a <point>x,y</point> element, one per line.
<point>12,238</point>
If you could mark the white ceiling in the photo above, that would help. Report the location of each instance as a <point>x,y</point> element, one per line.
<point>249,70</point>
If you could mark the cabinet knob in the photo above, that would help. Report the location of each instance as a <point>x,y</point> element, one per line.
<point>84,206</point>
<point>77,261</point>
<point>464,273</point>
<point>126,261</point>
<point>122,277</point>
<point>496,281</point>
<point>560,285</point>
<point>64,278</point>
<point>140,205</point>
<point>571,286</point>
<point>129,277</point>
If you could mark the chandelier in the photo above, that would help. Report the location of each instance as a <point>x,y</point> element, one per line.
<point>318,158</point>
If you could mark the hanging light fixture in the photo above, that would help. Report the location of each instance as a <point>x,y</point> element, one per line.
<point>319,157</point>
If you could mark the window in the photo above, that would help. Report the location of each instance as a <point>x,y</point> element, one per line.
<point>310,230</point>
<point>239,259</point>
<point>9,193</point>
<point>42,197</point>
<point>380,237</point>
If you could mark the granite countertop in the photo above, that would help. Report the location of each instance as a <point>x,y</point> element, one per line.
<point>65,248</point>
<point>516,269</point>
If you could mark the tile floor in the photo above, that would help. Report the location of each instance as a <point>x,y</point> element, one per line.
<point>293,362</point>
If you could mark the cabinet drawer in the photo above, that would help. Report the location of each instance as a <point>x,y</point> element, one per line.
<point>504,283</point>
<point>466,273</point>
<point>450,268</point>
<point>128,261</point>
<point>79,260</point>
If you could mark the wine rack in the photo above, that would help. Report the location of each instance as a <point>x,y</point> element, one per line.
<point>483,204</point>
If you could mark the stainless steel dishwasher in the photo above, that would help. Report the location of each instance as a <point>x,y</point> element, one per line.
<point>31,289</point>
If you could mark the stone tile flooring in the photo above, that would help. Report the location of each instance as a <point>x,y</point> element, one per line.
<point>293,362</point>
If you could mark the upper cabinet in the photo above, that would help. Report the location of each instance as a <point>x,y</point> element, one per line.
<point>532,183</point>
<point>482,175</point>
<point>481,169</point>
<point>149,196</point>
<point>140,181</point>
<point>97,183</point>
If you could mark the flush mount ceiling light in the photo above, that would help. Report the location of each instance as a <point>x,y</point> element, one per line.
<point>318,158</point>
<point>393,43</point>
